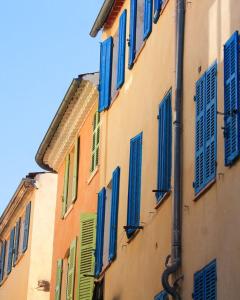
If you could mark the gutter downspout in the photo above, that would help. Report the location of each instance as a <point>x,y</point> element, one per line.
<point>177,210</point>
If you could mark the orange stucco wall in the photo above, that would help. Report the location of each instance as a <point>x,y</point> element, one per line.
<point>68,228</point>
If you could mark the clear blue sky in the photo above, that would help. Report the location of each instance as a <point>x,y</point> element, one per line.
<point>44,44</point>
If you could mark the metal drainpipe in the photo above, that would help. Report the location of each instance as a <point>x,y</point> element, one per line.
<point>176,230</point>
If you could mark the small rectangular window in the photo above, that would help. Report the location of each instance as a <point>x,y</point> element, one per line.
<point>134,185</point>
<point>3,248</point>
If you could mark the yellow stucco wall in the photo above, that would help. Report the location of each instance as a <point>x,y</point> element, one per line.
<point>210,224</point>
<point>136,272</point>
<point>35,263</point>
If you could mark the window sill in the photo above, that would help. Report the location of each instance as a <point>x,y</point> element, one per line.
<point>164,197</point>
<point>68,211</point>
<point>93,175</point>
<point>205,189</point>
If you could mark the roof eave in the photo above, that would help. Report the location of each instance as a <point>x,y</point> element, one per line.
<point>102,17</point>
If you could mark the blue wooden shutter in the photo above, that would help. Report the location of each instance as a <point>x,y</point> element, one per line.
<point>2,259</point>
<point>198,292</point>
<point>231,99</point>
<point>114,214</point>
<point>100,231</point>
<point>26,227</point>
<point>157,10</point>
<point>105,78</point>
<point>121,49</point>
<point>205,287</point>
<point>10,250</point>
<point>147,24</point>
<point>132,33</point>
<point>211,124</point>
<point>164,147</point>
<point>16,247</point>
<point>199,134</point>
<point>134,185</point>
<point>161,296</point>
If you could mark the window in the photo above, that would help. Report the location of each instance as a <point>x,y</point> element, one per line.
<point>2,259</point>
<point>16,242</point>
<point>140,27</point>
<point>10,250</point>
<point>107,220</point>
<point>70,186</point>
<point>95,141</point>
<point>161,296</point>
<point>86,256</point>
<point>26,227</point>
<point>164,147</point>
<point>157,10</point>
<point>65,275</point>
<point>121,49</point>
<point>206,129</point>
<point>106,49</point>
<point>134,185</point>
<point>231,99</point>
<point>205,283</point>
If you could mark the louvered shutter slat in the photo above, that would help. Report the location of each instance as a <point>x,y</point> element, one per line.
<point>26,227</point>
<point>100,231</point>
<point>58,279</point>
<point>87,259</point>
<point>121,49</point>
<point>71,270</point>
<point>106,50</point>
<point>114,214</point>
<point>198,293</point>
<point>147,24</point>
<point>210,124</point>
<point>199,134</point>
<point>231,99</point>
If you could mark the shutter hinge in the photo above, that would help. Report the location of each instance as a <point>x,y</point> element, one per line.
<point>194,98</point>
<point>193,184</point>
<point>132,227</point>
<point>158,117</point>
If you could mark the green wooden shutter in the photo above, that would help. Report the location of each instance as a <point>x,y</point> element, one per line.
<point>86,257</point>
<point>75,170</point>
<point>65,185</point>
<point>71,270</point>
<point>58,279</point>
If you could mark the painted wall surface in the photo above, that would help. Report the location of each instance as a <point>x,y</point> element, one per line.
<point>35,263</point>
<point>42,235</point>
<point>67,229</point>
<point>210,224</point>
<point>136,272</point>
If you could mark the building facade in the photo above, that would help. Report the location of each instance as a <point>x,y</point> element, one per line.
<point>71,148</point>
<point>26,234</point>
<point>170,131</point>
